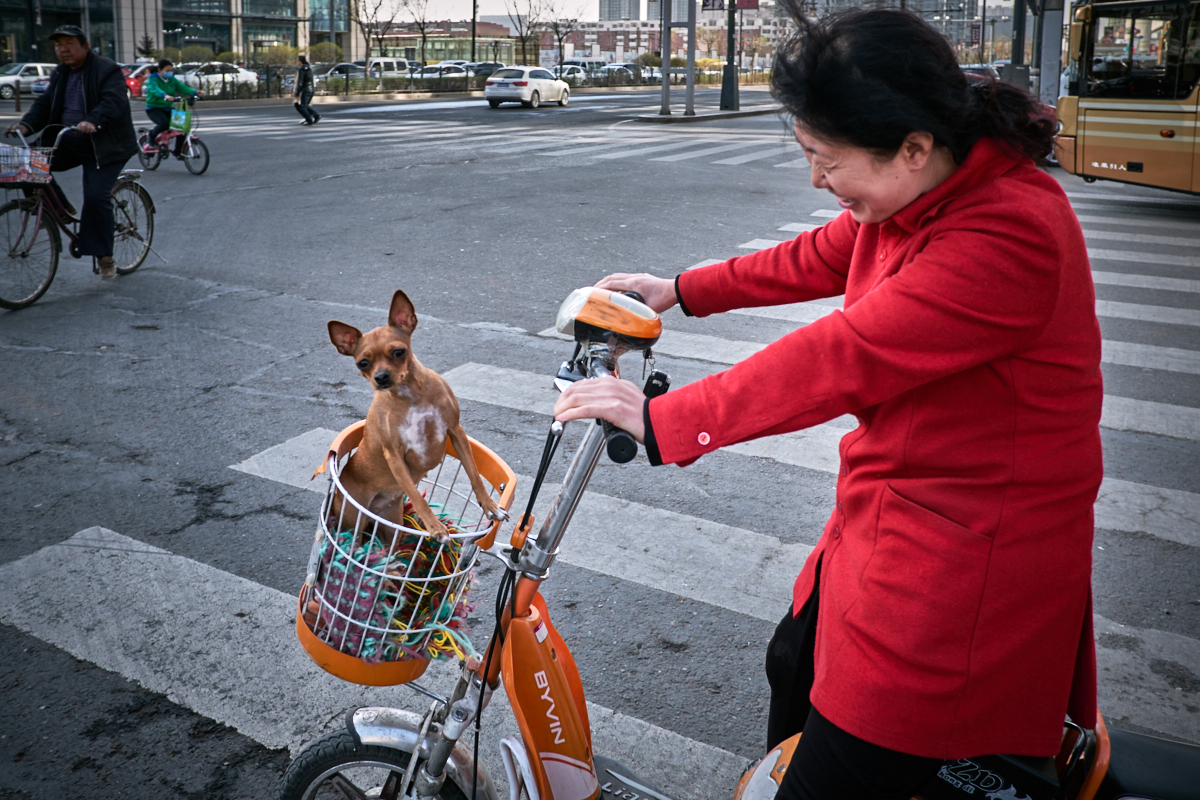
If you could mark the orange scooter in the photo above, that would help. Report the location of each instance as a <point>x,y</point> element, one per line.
<point>373,756</point>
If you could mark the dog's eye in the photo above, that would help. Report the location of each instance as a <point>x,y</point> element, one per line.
<point>399,353</point>
<point>363,364</point>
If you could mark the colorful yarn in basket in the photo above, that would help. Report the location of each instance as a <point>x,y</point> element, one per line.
<point>394,618</point>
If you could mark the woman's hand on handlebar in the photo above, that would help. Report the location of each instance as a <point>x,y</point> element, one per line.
<point>619,402</point>
<point>659,293</point>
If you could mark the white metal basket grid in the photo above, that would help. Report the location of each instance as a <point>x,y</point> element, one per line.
<point>388,592</point>
<point>24,164</point>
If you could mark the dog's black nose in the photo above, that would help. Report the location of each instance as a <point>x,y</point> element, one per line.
<point>382,377</point>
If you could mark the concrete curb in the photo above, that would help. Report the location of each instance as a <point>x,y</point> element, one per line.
<point>706,116</point>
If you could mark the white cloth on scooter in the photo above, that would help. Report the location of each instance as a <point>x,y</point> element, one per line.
<point>516,766</point>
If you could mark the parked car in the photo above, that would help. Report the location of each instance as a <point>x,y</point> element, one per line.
<point>40,86</point>
<point>572,74</point>
<point>20,77</point>
<point>136,79</point>
<point>651,75</point>
<point>458,62</point>
<point>340,71</point>
<point>212,76</point>
<point>980,70</point>
<point>390,67</point>
<point>528,86</point>
<point>485,68</point>
<point>445,71</point>
<point>587,64</point>
<point>619,74</point>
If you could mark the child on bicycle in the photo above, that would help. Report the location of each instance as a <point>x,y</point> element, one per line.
<point>162,88</point>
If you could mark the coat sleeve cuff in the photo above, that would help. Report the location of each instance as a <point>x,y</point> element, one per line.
<point>651,443</point>
<point>679,296</point>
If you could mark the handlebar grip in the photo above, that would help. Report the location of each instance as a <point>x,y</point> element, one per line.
<point>621,445</point>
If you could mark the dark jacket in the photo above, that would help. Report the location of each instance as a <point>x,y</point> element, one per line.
<point>106,105</point>
<point>304,79</point>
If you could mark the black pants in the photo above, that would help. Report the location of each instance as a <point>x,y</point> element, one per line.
<point>829,763</point>
<point>161,117</point>
<point>304,106</point>
<point>96,224</point>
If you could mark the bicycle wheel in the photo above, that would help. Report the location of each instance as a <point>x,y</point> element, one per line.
<point>335,767</point>
<point>133,214</point>
<point>150,160</point>
<point>195,157</point>
<point>28,253</point>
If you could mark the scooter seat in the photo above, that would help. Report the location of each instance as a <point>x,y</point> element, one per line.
<point>1151,768</point>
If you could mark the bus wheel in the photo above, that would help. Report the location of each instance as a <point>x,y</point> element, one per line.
<point>1088,179</point>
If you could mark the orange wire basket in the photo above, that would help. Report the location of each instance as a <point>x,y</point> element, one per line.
<point>382,599</point>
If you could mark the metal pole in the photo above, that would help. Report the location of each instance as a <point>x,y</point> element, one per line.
<point>474,15</point>
<point>664,48</point>
<point>689,108</point>
<point>982,30</point>
<point>729,79</point>
<point>1018,33</point>
<point>1051,52</point>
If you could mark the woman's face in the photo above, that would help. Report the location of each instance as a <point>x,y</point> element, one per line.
<point>870,188</point>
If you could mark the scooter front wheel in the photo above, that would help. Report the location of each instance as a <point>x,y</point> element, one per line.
<point>335,767</point>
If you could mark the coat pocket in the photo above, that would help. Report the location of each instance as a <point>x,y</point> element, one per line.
<point>920,595</point>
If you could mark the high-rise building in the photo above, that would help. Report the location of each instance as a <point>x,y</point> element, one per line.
<point>679,10</point>
<point>620,9</point>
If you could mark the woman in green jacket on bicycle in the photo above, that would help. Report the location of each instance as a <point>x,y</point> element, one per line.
<point>162,89</point>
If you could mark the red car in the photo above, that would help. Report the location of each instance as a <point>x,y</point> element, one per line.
<point>135,77</point>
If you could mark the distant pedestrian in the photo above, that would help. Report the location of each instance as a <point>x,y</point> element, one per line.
<point>303,92</point>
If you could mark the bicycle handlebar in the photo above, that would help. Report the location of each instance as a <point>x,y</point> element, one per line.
<point>14,132</point>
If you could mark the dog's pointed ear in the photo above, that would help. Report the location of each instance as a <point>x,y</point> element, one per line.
<point>344,337</point>
<point>402,315</point>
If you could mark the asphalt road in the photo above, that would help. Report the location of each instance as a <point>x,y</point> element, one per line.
<point>124,405</point>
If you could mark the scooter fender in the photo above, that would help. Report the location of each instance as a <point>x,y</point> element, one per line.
<point>568,665</point>
<point>400,730</point>
<point>762,782</point>
<point>556,739</point>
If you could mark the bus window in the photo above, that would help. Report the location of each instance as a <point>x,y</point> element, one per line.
<point>1142,52</point>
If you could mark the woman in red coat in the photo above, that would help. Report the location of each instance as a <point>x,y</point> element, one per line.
<point>945,612</point>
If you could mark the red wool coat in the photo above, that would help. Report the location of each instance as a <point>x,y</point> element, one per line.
<point>955,613</point>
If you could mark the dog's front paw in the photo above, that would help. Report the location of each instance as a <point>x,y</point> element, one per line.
<point>437,530</point>
<point>492,510</point>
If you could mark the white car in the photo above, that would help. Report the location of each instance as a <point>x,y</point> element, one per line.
<point>212,76</point>
<point>21,76</point>
<point>445,71</point>
<point>528,86</point>
<point>572,74</point>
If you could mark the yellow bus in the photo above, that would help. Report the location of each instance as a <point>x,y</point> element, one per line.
<point>1131,110</point>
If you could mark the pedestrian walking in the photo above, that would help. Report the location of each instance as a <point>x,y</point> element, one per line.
<point>304,92</point>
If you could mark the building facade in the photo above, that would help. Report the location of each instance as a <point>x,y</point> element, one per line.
<point>119,28</point>
<point>620,9</point>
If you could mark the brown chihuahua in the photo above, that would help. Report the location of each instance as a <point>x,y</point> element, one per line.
<point>413,412</point>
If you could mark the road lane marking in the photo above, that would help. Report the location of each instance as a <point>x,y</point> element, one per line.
<point>708,151</point>
<point>759,244</point>
<point>1145,356</point>
<point>1140,257</point>
<point>1141,238</point>
<point>656,149</point>
<point>774,151</point>
<point>1145,416</point>
<point>1134,222</point>
<point>1122,505</point>
<point>607,144</point>
<point>799,227</point>
<point>225,647</point>
<point>1146,281</point>
<point>1143,313</point>
<point>799,163</point>
<point>827,213</point>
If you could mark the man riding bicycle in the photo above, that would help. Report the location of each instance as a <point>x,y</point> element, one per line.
<point>86,91</point>
<point>162,88</point>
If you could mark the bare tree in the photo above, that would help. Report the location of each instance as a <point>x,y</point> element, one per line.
<point>419,11</point>
<point>560,29</point>
<point>526,17</point>
<point>376,18</point>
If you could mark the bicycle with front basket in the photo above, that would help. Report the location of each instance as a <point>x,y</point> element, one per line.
<point>32,227</point>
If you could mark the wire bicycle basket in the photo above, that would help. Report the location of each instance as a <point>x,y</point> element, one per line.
<point>24,164</point>
<point>381,599</point>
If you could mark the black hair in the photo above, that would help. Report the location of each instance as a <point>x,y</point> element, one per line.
<point>869,78</point>
<point>163,63</point>
<point>302,59</point>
